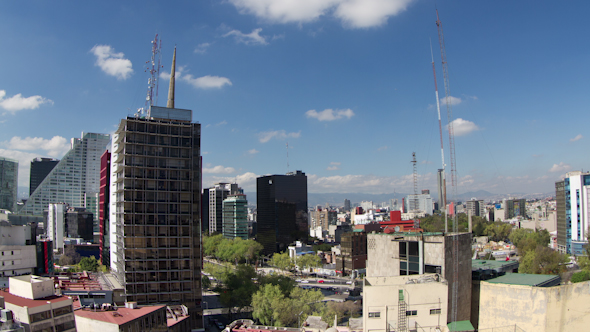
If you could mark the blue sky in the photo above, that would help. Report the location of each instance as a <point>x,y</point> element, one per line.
<point>347,84</point>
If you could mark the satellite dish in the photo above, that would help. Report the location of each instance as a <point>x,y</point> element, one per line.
<point>396,229</point>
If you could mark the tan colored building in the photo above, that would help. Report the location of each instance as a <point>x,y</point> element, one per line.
<point>534,308</point>
<point>405,303</point>
<point>34,305</point>
<point>129,319</point>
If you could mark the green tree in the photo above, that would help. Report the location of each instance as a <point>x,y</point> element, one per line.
<point>70,256</point>
<point>580,276</point>
<point>205,282</point>
<point>264,303</point>
<point>498,231</point>
<point>88,264</point>
<point>237,288</point>
<point>210,244</point>
<point>350,309</point>
<point>543,260</point>
<point>308,261</point>
<point>272,307</point>
<point>322,247</point>
<point>285,283</point>
<point>282,261</point>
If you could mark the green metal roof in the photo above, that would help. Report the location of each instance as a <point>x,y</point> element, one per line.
<point>538,280</point>
<point>463,325</point>
<point>356,230</point>
<point>491,264</point>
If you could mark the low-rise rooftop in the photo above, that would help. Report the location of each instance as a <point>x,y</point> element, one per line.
<point>536,280</point>
<point>23,301</point>
<point>119,317</point>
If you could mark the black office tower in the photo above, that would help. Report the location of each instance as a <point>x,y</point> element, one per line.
<point>281,203</point>
<point>40,168</point>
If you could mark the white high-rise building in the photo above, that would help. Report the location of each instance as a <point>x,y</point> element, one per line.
<point>423,202</point>
<point>217,194</point>
<point>55,225</point>
<point>573,212</point>
<point>75,178</point>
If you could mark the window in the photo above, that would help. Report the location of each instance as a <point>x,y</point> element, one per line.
<point>412,313</point>
<point>435,311</point>
<point>376,314</point>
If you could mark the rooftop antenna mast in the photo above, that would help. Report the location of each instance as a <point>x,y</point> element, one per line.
<point>443,199</point>
<point>415,172</point>
<point>287,157</point>
<point>153,67</point>
<point>455,250</point>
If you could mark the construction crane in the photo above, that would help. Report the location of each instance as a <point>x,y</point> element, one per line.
<point>455,244</point>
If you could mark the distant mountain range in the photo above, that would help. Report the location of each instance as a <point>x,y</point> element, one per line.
<point>337,199</point>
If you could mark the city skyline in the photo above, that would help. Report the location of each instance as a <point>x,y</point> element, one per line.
<point>347,84</point>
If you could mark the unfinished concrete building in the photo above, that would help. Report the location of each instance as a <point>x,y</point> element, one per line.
<point>403,254</point>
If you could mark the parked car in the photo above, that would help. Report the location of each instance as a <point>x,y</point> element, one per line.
<point>321,281</point>
<point>304,281</point>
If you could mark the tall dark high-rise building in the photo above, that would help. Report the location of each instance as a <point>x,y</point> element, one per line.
<point>8,183</point>
<point>281,202</point>
<point>155,221</point>
<point>40,168</point>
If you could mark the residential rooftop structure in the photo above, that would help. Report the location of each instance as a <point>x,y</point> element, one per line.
<point>412,254</point>
<point>155,224</point>
<point>34,305</point>
<point>534,303</point>
<point>74,180</point>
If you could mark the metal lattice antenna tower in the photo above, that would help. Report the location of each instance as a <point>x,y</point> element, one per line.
<point>443,184</point>
<point>153,67</point>
<point>415,200</point>
<point>287,157</point>
<point>455,250</point>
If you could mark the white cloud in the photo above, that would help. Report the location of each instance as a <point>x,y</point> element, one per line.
<point>55,147</point>
<point>247,181</point>
<point>202,48</point>
<point>330,114</point>
<point>452,100</point>
<point>463,127</point>
<point>369,13</point>
<point>252,38</point>
<point>219,170</point>
<point>562,167</point>
<point>18,102</point>
<point>353,13</point>
<point>333,166</point>
<point>206,82</point>
<point>253,151</point>
<point>266,136</point>
<point>382,148</point>
<point>426,162</point>
<point>112,63</point>
<point>221,123</point>
<point>577,138</point>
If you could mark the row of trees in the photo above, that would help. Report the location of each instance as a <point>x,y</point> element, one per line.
<point>496,231</point>
<point>284,262</point>
<point>275,299</point>
<point>228,250</point>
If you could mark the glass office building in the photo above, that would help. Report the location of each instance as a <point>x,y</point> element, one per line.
<point>8,183</point>
<point>74,180</point>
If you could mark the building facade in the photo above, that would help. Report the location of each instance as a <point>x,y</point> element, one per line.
<point>79,224</point>
<point>8,183</point>
<point>281,202</point>
<point>103,208</point>
<point>75,178</point>
<point>17,251</point>
<point>217,194</point>
<point>235,217</point>
<point>421,202</point>
<point>573,212</point>
<point>448,255</point>
<point>476,207</point>
<point>514,208</point>
<point>155,221</point>
<point>55,225</point>
<point>40,168</point>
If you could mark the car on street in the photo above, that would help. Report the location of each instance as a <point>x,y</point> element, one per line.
<point>304,281</point>
<point>321,281</point>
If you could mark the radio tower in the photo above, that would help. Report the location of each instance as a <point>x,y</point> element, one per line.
<point>443,184</point>
<point>153,68</point>
<point>455,250</point>
<point>415,172</point>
